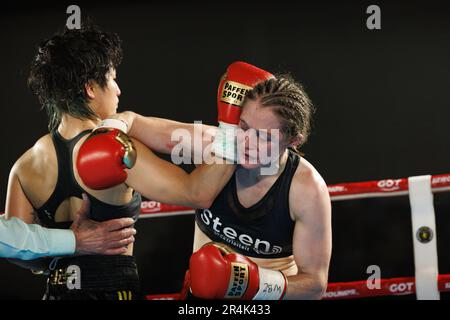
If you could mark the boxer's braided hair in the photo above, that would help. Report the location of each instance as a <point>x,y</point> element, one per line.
<point>65,63</point>
<point>290,103</point>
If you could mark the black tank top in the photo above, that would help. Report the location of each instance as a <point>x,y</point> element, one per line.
<point>265,229</point>
<point>67,186</point>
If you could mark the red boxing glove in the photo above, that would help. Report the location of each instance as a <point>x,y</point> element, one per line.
<point>103,158</point>
<point>240,78</point>
<point>233,87</point>
<point>216,272</point>
<point>184,293</point>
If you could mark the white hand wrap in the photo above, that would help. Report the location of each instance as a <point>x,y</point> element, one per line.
<point>225,143</point>
<point>272,285</point>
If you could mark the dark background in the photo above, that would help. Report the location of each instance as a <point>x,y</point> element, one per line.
<point>382,101</point>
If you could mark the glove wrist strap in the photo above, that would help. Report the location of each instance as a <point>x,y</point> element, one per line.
<point>272,285</point>
<point>113,123</point>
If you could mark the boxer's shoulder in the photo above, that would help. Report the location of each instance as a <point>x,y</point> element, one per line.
<point>41,155</point>
<point>307,188</point>
<point>37,162</point>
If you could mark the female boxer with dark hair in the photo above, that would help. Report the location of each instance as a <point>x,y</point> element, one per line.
<point>74,77</point>
<point>271,233</point>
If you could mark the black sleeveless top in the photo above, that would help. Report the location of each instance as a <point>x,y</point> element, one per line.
<point>264,230</point>
<point>67,186</point>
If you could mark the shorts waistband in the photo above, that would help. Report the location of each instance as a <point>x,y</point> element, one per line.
<point>106,273</point>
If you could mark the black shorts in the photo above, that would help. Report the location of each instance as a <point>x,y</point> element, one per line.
<point>94,278</point>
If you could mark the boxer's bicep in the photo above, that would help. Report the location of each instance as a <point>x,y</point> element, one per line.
<point>17,203</point>
<point>312,234</point>
<point>157,179</point>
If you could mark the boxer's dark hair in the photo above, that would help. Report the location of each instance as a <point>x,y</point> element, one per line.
<point>290,103</point>
<point>65,63</point>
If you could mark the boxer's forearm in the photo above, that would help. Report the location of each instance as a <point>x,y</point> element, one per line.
<point>305,287</point>
<point>207,181</point>
<point>157,133</point>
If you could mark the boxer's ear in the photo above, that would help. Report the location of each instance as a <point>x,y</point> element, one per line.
<point>90,89</point>
<point>296,141</point>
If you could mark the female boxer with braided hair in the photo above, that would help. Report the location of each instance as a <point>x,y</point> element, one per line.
<point>271,233</point>
<point>74,77</point>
